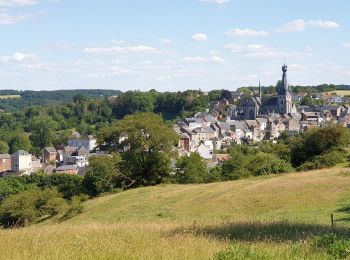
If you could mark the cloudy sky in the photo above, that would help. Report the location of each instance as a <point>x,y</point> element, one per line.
<point>172,44</point>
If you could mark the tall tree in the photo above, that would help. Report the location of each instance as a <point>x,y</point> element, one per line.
<point>147,142</point>
<point>42,128</point>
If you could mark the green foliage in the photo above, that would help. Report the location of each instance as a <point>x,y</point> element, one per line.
<point>333,245</point>
<point>10,186</point>
<point>326,160</point>
<point>263,164</point>
<point>103,175</point>
<point>20,142</point>
<point>317,141</point>
<point>29,206</point>
<point>147,142</point>
<point>4,148</point>
<point>68,185</point>
<point>191,169</point>
<point>307,101</point>
<point>41,129</point>
<point>265,158</point>
<point>215,94</point>
<point>239,251</point>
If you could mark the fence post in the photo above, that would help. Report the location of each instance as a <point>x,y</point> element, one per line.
<point>332,220</point>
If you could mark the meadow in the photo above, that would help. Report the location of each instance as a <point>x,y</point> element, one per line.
<point>268,217</point>
<point>10,96</point>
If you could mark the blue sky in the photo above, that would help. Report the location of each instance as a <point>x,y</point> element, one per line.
<point>172,45</point>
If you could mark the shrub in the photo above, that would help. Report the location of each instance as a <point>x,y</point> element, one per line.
<point>191,169</point>
<point>68,185</point>
<point>31,205</point>
<point>326,160</point>
<point>337,247</point>
<point>263,164</point>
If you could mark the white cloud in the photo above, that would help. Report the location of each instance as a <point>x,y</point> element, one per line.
<point>200,37</point>
<point>245,32</point>
<point>257,51</point>
<point>219,2</point>
<point>7,3</point>
<point>121,50</point>
<point>7,19</point>
<point>19,57</point>
<point>300,25</point>
<point>211,59</point>
<point>346,44</point>
<point>164,41</point>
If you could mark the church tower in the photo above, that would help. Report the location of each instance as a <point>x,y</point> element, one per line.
<point>284,96</point>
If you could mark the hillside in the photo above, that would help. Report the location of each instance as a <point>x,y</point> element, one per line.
<point>257,217</point>
<point>310,196</point>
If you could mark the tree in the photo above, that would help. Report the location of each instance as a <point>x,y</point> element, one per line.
<point>103,175</point>
<point>4,148</point>
<point>41,129</point>
<point>147,142</point>
<point>307,101</point>
<point>318,141</point>
<point>20,142</point>
<point>191,169</point>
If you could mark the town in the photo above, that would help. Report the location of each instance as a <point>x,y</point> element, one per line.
<point>257,118</point>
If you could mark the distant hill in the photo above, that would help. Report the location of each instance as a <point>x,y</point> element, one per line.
<point>32,98</point>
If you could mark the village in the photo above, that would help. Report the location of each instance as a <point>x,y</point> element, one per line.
<point>257,118</point>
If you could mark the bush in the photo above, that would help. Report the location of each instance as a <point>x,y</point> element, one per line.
<point>339,248</point>
<point>263,164</point>
<point>68,185</point>
<point>103,175</point>
<point>31,205</point>
<point>326,160</point>
<point>317,141</point>
<point>191,169</point>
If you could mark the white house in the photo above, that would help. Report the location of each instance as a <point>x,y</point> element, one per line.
<point>21,161</point>
<point>88,142</point>
<point>205,152</point>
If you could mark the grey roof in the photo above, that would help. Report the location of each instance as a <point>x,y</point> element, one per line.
<point>20,152</point>
<point>206,129</point>
<point>50,149</point>
<point>66,168</point>
<point>5,156</point>
<point>271,101</point>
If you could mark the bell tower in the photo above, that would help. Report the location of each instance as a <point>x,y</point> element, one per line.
<point>284,95</point>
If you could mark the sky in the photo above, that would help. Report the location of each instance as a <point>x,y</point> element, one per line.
<point>172,45</point>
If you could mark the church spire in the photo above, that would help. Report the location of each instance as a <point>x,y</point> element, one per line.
<point>283,89</point>
<point>260,89</point>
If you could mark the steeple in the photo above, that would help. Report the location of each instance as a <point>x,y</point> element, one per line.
<point>284,97</point>
<point>284,89</point>
<point>260,89</point>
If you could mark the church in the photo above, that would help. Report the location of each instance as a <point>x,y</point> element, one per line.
<point>257,105</point>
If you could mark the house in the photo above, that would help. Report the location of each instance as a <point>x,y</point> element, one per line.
<point>5,162</point>
<point>336,99</point>
<point>89,142</point>
<point>298,96</point>
<point>49,155</point>
<point>67,169</point>
<point>21,161</point>
<point>205,152</point>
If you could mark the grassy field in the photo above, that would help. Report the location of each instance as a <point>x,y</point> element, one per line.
<point>341,92</point>
<point>270,217</point>
<point>10,96</point>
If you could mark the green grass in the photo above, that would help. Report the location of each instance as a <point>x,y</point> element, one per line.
<point>271,217</point>
<point>10,96</point>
